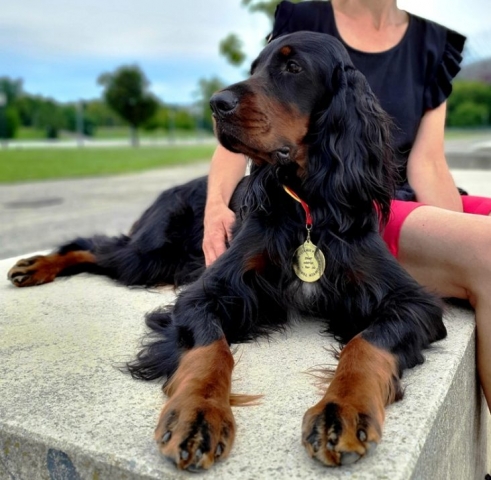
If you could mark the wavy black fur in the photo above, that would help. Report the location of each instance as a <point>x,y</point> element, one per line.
<point>349,178</point>
<point>319,129</point>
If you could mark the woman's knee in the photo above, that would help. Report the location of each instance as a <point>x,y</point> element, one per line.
<point>478,269</point>
<point>448,252</point>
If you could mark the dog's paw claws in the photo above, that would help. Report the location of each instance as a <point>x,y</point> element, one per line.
<point>219,450</point>
<point>347,458</point>
<point>195,435</point>
<point>27,262</point>
<point>18,279</point>
<point>31,271</point>
<point>167,436</point>
<point>338,434</point>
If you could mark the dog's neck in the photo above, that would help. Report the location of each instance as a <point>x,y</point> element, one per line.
<point>292,176</point>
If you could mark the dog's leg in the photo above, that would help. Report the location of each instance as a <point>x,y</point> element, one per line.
<point>120,258</point>
<point>78,256</point>
<point>189,346</point>
<point>163,247</point>
<point>196,426</point>
<point>347,423</point>
<point>42,269</point>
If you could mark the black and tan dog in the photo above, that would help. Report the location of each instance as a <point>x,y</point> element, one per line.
<point>309,122</point>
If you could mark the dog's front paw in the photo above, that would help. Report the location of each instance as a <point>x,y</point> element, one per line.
<point>32,271</point>
<point>195,432</point>
<point>339,433</point>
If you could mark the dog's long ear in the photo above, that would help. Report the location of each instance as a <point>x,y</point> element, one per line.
<point>354,145</point>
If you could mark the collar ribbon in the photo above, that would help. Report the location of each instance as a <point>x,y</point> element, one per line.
<point>308,216</point>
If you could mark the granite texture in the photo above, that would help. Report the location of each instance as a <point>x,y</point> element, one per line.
<point>67,412</point>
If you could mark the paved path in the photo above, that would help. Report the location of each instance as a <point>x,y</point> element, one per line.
<point>470,152</point>
<point>41,215</point>
<point>109,143</point>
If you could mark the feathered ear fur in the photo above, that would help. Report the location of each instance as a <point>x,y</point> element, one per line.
<point>352,155</point>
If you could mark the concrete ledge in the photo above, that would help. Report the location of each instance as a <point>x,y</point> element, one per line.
<point>67,413</point>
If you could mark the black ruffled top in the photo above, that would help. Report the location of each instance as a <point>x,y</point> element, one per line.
<point>412,77</point>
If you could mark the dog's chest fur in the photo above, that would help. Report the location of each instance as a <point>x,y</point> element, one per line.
<point>303,295</point>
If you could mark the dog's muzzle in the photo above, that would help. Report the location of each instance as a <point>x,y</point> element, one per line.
<point>223,103</point>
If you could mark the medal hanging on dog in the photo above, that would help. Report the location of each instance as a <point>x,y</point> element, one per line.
<point>309,262</point>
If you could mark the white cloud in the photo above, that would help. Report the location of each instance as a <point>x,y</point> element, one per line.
<point>465,16</point>
<point>144,29</point>
<point>53,43</point>
<point>151,29</point>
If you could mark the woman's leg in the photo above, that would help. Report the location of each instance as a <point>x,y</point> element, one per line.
<point>450,253</point>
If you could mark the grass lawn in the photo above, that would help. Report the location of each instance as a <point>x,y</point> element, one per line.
<point>38,164</point>
<point>30,133</point>
<point>124,132</point>
<point>112,133</point>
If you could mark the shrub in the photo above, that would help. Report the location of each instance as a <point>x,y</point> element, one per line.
<point>9,122</point>
<point>468,114</point>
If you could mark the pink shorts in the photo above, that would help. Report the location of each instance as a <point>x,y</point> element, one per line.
<point>400,211</point>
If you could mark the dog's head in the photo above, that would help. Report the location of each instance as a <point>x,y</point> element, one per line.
<point>306,104</point>
<point>267,117</point>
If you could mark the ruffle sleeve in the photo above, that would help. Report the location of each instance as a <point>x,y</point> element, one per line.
<point>446,68</point>
<point>282,15</point>
<point>313,16</point>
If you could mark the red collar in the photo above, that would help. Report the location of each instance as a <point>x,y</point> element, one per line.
<point>308,216</point>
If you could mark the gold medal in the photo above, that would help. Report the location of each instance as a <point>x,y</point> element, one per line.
<point>309,262</point>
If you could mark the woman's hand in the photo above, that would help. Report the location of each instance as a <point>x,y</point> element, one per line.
<point>226,170</point>
<point>218,223</point>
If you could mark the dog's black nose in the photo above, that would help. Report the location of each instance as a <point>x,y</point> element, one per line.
<point>223,102</point>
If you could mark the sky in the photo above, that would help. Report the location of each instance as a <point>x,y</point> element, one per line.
<point>60,47</point>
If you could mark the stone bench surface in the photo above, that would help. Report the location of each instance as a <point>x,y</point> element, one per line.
<point>66,412</point>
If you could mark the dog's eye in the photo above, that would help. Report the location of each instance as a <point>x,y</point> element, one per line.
<point>293,67</point>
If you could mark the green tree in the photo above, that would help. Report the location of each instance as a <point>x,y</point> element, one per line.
<point>101,114</point>
<point>469,114</point>
<point>27,106</point>
<point>231,46</point>
<point>9,122</point>
<point>184,120</point>
<point>11,88</point>
<point>50,118</point>
<point>159,120</point>
<point>126,92</point>
<point>72,113</point>
<point>43,113</point>
<point>469,102</point>
<point>172,118</point>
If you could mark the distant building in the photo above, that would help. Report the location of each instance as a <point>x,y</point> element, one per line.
<point>480,70</point>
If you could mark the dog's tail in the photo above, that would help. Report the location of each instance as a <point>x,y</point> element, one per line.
<point>161,348</point>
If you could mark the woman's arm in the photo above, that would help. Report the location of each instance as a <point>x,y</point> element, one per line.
<point>226,170</point>
<point>427,168</point>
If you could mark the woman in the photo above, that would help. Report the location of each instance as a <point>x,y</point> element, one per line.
<point>409,63</point>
